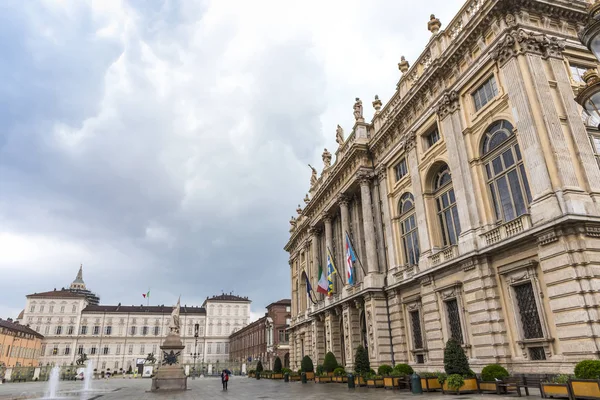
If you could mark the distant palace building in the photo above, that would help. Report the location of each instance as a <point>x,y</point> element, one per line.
<point>20,346</point>
<point>472,200</point>
<point>264,339</point>
<point>115,336</point>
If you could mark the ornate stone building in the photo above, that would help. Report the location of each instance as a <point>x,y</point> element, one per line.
<point>471,199</point>
<point>118,336</point>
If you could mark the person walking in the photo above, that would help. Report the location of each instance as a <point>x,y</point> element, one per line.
<point>224,379</point>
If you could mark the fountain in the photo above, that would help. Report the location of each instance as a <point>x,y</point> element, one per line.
<point>88,376</point>
<point>53,383</point>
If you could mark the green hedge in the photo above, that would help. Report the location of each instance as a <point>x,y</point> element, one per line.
<point>492,372</point>
<point>588,369</point>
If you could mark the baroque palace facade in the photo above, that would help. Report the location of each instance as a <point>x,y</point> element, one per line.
<point>73,322</point>
<point>471,200</point>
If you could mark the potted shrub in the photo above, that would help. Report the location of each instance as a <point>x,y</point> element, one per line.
<point>339,375</point>
<point>322,375</point>
<point>277,367</point>
<point>456,363</point>
<point>430,382</point>
<point>295,376</point>
<point>259,369</point>
<point>330,363</point>
<point>308,368</point>
<point>491,375</point>
<point>251,373</point>
<point>587,380</point>
<point>385,371</point>
<point>362,366</point>
<point>558,386</point>
<point>374,380</point>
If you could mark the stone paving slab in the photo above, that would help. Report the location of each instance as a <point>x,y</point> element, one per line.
<point>239,388</point>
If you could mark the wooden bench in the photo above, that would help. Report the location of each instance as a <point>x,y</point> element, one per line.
<point>532,382</point>
<point>509,384</point>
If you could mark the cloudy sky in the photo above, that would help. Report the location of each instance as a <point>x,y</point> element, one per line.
<point>164,144</point>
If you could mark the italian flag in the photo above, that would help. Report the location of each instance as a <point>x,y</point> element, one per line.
<point>146,295</point>
<point>323,284</point>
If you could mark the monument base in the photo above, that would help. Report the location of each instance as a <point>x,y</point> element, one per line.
<point>169,377</point>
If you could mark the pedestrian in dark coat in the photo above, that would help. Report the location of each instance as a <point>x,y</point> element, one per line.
<point>224,379</point>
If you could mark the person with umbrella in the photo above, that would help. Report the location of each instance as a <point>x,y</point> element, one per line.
<point>225,378</point>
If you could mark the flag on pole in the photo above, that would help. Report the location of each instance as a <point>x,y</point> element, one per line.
<point>146,295</point>
<point>322,284</point>
<point>330,271</point>
<point>350,258</point>
<point>309,289</point>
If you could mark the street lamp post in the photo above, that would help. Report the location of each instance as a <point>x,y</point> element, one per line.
<point>195,354</point>
<point>589,96</point>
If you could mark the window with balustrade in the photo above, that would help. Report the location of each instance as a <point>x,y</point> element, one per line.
<point>408,229</point>
<point>504,171</point>
<point>445,201</point>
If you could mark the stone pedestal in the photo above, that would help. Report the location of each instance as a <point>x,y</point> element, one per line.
<point>170,376</point>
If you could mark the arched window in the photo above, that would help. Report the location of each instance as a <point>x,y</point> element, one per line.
<point>408,224</point>
<point>446,206</point>
<point>505,173</point>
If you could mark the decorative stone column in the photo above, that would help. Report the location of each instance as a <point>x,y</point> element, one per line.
<point>378,335</point>
<point>462,180</point>
<point>318,337</point>
<point>364,178</point>
<point>343,201</point>
<point>387,219</point>
<point>415,179</point>
<point>510,55</point>
<point>351,332</point>
<point>314,270</point>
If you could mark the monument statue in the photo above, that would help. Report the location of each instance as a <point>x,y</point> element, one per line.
<point>326,158</point>
<point>313,177</point>
<point>174,325</point>
<point>358,110</point>
<point>339,135</point>
<point>171,376</point>
<point>306,199</point>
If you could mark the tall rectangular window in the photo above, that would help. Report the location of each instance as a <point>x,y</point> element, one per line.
<point>484,93</point>
<point>67,350</point>
<point>156,330</point>
<point>153,349</point>
<point>105,350</point>
<point>118,349</point>
<point>142,349</point>
<point>416,330</point>
<point>218,348</point>
<point>96,330</point>
<point>577,72</point>
<point>70,330</point>
<point>530,319</point>
<point>83,329</point>
<point>144,330</point>
<point>80,349</point>
<point>93,350</point>
<point>209,348</point>
<point>58,330</point>
<point>400,169</point>
<point>130,349</point>
<point>108,330</point>
<point>454,320</point>
<point>32,309</point>
<point>132,330</point>
<point>433,137</point>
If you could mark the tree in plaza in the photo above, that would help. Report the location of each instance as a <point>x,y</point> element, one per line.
<point>330,363</point>
<point>277,365</point>
<point>361,361</point>
<point>455,360</point>
<point>307,364</point>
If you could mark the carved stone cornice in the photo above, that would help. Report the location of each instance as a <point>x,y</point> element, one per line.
<point>381,172</point>
<point>314,231</point>
<point>519,41</point>
<point>326,217</point>
<point>448,104</point>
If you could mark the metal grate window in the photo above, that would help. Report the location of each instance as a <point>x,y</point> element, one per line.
<point>530,319</point>
<point>454,320</point>
<point>537,353</point>
<point>416,330</point>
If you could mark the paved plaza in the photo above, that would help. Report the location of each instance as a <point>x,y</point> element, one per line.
<point>210,389</point>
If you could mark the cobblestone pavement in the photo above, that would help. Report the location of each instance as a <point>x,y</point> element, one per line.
<point>239,388</point>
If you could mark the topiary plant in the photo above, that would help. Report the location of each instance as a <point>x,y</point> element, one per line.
<point>455,360</point>
<point>259,367</point>
<point>361,361</point>
<point>455,381</point>
<point>307,364</point>
<point>339,371</point>
<point>320,369</point>
<point>587,369</point>
<point>404,369</point>
<point>384,370</point>
<point>277,365</point>
<point>494,371</point>
<point>330,363</point>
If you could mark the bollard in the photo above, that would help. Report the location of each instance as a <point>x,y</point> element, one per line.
<point>415,384</point>
<point>286,377</point>
<point>351,381</point>
<point>303,377</point>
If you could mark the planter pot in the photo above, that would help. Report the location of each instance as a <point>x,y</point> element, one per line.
<point>388,382</point>
<point>323,379</point>
<point>359,381</point>
<point>395,382</point>
<point>585,388</point>
<point>470,386</point>
<point>555,389</point>
<point>488,386</point>
<point>375,383</point>
<point>340,379</point>
<point>294,377</point>
<point>277,376</point>
<point>310,376</point>
<point>430,384</point>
